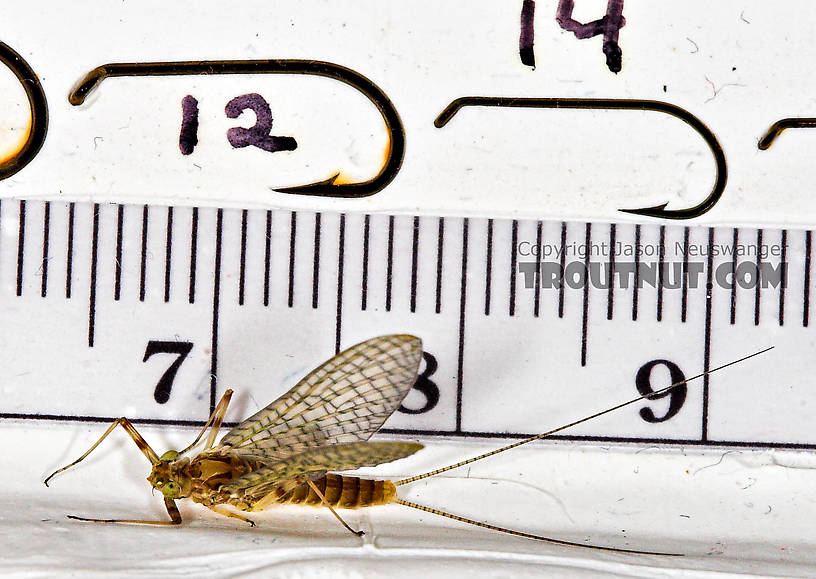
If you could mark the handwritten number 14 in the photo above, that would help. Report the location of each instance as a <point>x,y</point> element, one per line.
<point>257,135</point>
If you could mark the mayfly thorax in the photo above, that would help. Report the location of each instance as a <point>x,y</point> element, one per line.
<point>288,452</point>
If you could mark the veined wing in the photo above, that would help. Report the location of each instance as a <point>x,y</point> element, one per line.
<point>346,399</point>
<point>314,463</point>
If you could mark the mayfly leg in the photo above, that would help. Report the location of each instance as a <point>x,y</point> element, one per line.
<point>132,432</point>
<point>326,503</point>
<point>172,510</point>
<point>215,420</point>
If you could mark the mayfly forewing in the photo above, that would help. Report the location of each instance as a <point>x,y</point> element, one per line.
<point>346,399</point>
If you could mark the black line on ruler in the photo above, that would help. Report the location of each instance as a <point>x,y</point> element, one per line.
<point>46,232</point>
<point>684,291</point>
<point>806,290</point>
<point>69,253</point>
<point>537,275</point>
<point>242,263</point>
<point>561,269</point>
<point>193,255</point>
<point>414,263</point>
<point>219,222</point>
<point>610,297</point>
<point>488,266</point>
<point>784,267</point>
<point>707,342</point>
<point>734,277</point>
<point>389,266</point>
<point>585,315</point>
<point>341,250</point>
<point>92,298</point>
<point>292,238</point>
<point>637,274</point>
<point>143,263</point>
<point>513,244</point>
<point>661,262</point>
<point>267,256</point>
<point>461,433</point>
<point>364,282</point>
<point>462,312</point>
<point>440,248</point>
<point>168,254</point>
<point>757,295</point>
<point>21,223</point>
<point>117,259</point>
<point>316,262</point>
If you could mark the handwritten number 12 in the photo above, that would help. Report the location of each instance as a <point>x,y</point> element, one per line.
<point>257,135</point>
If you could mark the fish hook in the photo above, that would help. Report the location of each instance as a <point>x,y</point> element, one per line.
<point>326,188</point>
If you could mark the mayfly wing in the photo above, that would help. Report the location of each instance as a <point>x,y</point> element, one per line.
<point>346,399</point>
<point>314,463</point>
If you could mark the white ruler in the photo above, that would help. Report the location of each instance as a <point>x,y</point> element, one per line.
<point>151,312</point>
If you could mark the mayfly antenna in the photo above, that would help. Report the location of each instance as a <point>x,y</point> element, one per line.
<point>575,423</point>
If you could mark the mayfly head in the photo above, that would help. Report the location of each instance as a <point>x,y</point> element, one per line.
<point>170,476</point>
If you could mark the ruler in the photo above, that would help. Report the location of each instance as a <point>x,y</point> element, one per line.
<point>151,312</point>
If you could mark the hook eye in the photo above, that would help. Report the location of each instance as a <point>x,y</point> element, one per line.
<point>659,211</point>
<point>331,187</point>
<point>38,107</point>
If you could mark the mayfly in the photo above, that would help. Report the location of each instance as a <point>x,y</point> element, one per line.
<point>288,452</point>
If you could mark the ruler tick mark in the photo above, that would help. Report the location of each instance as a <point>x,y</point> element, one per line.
<point>292,239</point>
<point>46,229</point>
<point>735,245</point>
<point>364,281</point>
<point>168,254</point>
<point>585,315</point>
<point>610,297</point>
<point>341,250</point>
<point>414,263</point>
<point>267,257</point>
<point>193,255</point>
<point>537,275</point>
<point>513,261</point>
<point>637,274</point>
<point>117,259</point>
<point>316,262</point>
<point>661,262</point>
<point>488,265</point>
<point>440,249</point>
<point>242,264</point>
<point>462,313</point>
<point>784,267</point>
<point>561,269</point>
<point>758,294</point>
<point>219,223</point>
<point>389,267</point>
<point>806,289</point>
<point>21,246</point>
<point>707,332</point>
<point>92,293</point>
<point>684,291</point>
<point>69,257</point>
<point>143,266</point>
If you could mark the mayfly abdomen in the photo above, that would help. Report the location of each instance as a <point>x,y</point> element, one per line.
<point>344,492</point>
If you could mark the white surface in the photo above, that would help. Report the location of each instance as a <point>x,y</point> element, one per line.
<point>734,512</point>
<point>737,66</point>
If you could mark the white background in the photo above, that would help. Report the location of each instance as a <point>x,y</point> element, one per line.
<point>737,66</point>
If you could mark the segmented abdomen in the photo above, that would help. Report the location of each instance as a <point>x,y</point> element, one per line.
<point>344,492</point>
